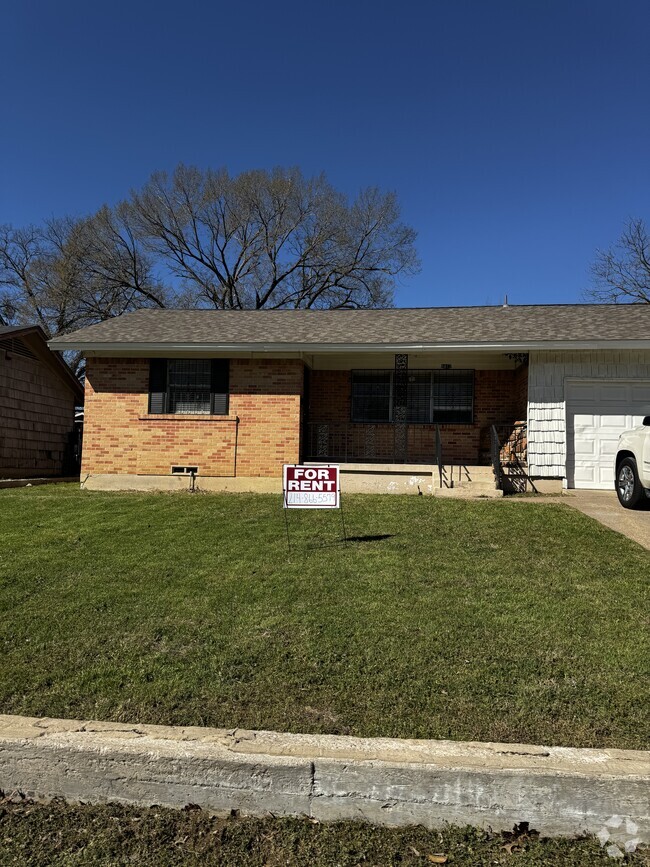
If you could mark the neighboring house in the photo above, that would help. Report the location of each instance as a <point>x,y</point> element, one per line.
<point>38,395</point>
<point>389,394</point>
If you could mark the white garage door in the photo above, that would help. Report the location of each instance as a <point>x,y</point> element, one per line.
<point>597,412</point>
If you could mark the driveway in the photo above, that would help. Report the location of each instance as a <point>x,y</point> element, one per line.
<point>604,507</point>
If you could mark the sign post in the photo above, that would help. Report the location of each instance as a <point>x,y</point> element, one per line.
<point>311,487</point>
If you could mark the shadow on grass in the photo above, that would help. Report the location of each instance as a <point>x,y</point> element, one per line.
<point>378,538</point>
<point>335,543</point>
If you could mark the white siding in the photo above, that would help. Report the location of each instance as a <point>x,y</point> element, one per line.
<point>547,374</point>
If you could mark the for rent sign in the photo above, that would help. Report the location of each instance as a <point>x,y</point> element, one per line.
<point>311,487</point>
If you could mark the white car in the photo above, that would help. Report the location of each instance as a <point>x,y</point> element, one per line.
<point>633,466</point>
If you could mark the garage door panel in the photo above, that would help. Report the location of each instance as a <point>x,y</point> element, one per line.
<point>606,476</point>
<point>585,476</point>
<point>597,413</point>
<point>608,446</point>
<point>584,391</point>
<point>640,394</point>
<point>611,422</point>
<point>584,448</point>
<point>610,393</point>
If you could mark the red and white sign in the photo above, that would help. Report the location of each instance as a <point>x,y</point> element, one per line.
<point>311,487</point>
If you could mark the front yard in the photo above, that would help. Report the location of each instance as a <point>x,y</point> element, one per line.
<point>467,620</point>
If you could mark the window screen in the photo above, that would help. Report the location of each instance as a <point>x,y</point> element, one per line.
<point>433,396</point>
<point>371,395</point>
<point>418,398</point>
<point>188,385</point>
<point>452,396</point>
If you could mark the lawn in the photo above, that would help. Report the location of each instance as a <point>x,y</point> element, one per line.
<point>62,835</point>
<point>474,620</point>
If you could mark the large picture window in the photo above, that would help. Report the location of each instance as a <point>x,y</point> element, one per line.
<point>188,386</point>
<point>433,396</point>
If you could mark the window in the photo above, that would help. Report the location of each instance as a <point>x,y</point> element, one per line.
<point>452,396</point>
<point>371,395</point>
<point>188,386</point>
<point>433,396</point>
<point>418,396</point>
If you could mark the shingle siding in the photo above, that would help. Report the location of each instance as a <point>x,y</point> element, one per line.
<point>36,418</point>
<point>548,372</point>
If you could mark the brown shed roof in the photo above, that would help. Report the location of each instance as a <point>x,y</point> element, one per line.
<point>520,325</point>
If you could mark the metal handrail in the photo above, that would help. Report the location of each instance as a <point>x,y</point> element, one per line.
<point>439,453</point>
<point>495,449</point>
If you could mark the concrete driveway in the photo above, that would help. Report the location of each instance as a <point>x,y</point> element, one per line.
<point>604,507</point>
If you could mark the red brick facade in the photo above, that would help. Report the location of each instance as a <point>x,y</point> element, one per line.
<point>263,428</point>
<point>260,433</point>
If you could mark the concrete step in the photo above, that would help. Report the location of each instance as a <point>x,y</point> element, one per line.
<point>464,475</point>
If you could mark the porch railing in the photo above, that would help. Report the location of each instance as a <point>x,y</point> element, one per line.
<point>352,442</point>
<point>439,454</point>
<point>509,453</point>
<point>495,456</point>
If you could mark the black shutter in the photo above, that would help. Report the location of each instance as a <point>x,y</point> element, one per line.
<point>220,386</point>
<point>157,385</point>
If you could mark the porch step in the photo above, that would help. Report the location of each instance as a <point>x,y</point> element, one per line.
<point>460,475</point>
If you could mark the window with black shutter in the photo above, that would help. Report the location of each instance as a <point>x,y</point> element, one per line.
<point>189,386</point>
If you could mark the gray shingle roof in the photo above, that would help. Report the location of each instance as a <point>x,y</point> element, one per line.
<point>515,324</point>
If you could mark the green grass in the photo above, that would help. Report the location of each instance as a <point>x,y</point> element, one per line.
<point>468,620</point>
<point>61,835</point>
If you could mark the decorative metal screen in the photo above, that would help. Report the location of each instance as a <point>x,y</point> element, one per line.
<point>189,385</point>
<point>433,396</point>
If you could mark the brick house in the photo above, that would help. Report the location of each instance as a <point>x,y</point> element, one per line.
<point>431,394</point>
<point>38,395</point>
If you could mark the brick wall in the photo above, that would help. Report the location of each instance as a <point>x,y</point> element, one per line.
<point>36,417</point>
<point>260,433</point>
<point>498,397</point>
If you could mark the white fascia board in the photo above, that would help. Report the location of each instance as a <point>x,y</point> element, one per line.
<point>160,349</point>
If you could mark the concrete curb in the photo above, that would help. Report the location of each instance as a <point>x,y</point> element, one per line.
<point>559,791</point>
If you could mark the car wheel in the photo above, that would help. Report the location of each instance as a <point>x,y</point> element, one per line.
<point>628,487</point>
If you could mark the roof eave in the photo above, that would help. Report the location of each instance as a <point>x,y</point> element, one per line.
<point>158,348</point>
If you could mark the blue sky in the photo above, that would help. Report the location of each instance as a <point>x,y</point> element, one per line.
<point>516,134</point>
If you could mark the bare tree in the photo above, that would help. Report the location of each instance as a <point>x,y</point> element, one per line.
<point>259,239</point>
<point>71,273</point>
<point>273,239</point>
<point>622,273</point>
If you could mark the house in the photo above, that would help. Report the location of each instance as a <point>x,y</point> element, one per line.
<point>403,399</point>
<point>38,395</point>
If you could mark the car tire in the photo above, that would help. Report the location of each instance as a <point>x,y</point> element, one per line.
<point>628,487</point>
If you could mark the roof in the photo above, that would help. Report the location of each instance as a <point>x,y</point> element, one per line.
<point>515,326</point>
<point>14,329</point>
<point>34,338</point>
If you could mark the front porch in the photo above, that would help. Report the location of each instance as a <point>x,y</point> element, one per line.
<point>451,424</point>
